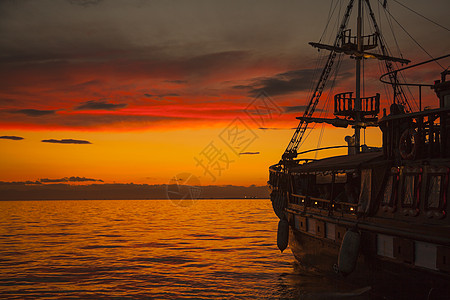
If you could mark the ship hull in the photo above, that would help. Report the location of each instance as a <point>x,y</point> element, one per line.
<point>387,278</point>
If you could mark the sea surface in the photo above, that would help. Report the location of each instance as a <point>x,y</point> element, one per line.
<point>150,249</point>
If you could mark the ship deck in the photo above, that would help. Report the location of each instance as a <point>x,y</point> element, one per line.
<point>338,163</point>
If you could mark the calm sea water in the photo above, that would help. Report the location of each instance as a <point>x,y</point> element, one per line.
<point>149,249</point>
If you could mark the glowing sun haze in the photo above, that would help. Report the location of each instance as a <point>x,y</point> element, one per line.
<point>139,91</point>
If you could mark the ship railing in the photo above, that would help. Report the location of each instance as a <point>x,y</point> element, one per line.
<point>323,205</point>
<point>275,176</point>
<point>298,199</point>
<point>345,207</point>
<point>344,105</point>
<point>350,41</point>
<point>426,134</point>
<point>320,204</point>
<point>311,202</point>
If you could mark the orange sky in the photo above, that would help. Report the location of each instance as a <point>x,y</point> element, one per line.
<point>157,90</point>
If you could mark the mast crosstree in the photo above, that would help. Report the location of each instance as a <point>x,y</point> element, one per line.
<point>354,110</point>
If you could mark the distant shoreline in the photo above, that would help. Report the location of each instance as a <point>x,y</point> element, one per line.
<point>130,191</point>
<point>200,199</point>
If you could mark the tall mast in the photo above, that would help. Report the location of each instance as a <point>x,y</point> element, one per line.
<point>356,111</point>
<point>358,59</point>
<point>291,151</point>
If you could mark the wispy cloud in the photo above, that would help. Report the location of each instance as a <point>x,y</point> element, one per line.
<point>9,183</point>
<point>159,96</point>
<point>280,84</point>
<point>33,112</point>
<point>99,105</point>
<point>102,121</point>
<point>276,128</point>
<point>287,82</point>
<point>85,3</point>
<point>177,81</point>
<point>11,137</point>
<point>66,141</point>
<point>248,153</point>
<point>298,108</point>
<point>69,179</point>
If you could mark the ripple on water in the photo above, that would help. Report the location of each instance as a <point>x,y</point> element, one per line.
<point>144,249</point>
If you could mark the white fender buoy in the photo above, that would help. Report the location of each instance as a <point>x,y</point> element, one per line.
<point>349,251</point>
<point>283,234</point>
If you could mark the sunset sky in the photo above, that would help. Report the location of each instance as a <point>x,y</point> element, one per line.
<point>140,91</point>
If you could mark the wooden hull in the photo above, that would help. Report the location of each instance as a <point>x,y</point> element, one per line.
<point>388,278</point>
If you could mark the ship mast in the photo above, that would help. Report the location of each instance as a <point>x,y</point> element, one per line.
<point>358,59</point>
<point>357,111</point>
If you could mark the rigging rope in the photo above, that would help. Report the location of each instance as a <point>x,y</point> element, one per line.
<point>410,93</point>
<point>336,70</point>
<point>414,101</point>
<point>330,14</point>
<point>291,149</point>
<point>417,43</point>
<point>322,58</point>
<point>389,21</point>
<point>398,91</point>
<point>380,67</point>
<point>386,91</point>
<point>326,105</point>
<point>363,78</point>
<point>435,23</point>
<point>320,140</point>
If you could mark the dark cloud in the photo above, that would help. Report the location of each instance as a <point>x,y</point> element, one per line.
<point>81,179</point>
<point>33,112</point>
<point>282,83</point>
<point>47,180</point>
<point>11,137</point>
<point>276,128</point>
<point>108,120</point>
<point>69,179</point>
<point>241,87</point>
<point>99,105</point>
<point>86,120</point>
<point>297,108</point>
<point>18,183</point>
<point>84,85</point>
<point>66,141</point>
<point>203,65</point>
<point>177,81</point>
<point>6,101</point>
<point>248,153</point>
<point>85,3</point>
<point>162,95</point>
<point>287,82</point>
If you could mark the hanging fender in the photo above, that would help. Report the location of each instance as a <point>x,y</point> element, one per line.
<point>349,251</point>
<point>283,234</point>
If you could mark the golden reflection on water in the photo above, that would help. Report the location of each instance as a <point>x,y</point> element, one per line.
<point>148,249</point>
<point>140,248</point>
